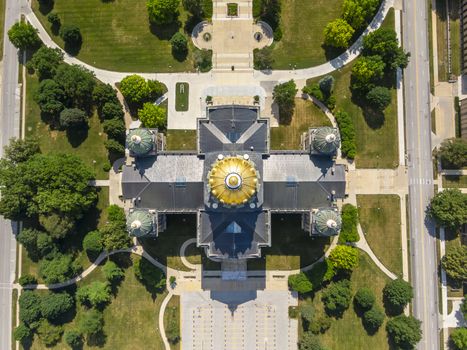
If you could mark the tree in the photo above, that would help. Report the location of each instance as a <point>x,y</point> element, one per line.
<point>116,214</point>
<point>57,270</point>
<point>23,36</point>
<point>195,7</point>
<point>348,134</point>
<point>71,35</point>
<point>104,93</point>
<point>397,294</point>
<point>455,262</point>
<point>29,308</point>
<point>48,333</point>
<point>77,83</point>
<point>365,298</point>
<point>148,274</point>
<point>111,110</point>
<point>459,338</point>
<point>373,318</point>
<point>45,62</point>
<point>359,12</point>
<point>344,257</point>
<point>300,283</point>
<point>338,33</point>
<point>54,20</point>
<point>336,297</point>
<point>26,280</point>
<point>50,97</point>
<point>320,325</point>
<point>95,294</point>
<point>137,90</point>
<point>404,331</point>
<point>449,208</point>
<point>91,322</point>
<point>366,71</point>
<point>54,305</point>
<point>112,272</point>
<point>263,58</point>
<point>45,244</point>
<point>152,116</point>
<point>307,314</point>
<point>57,225</point>
<point>73,118</point>
<point>179,45</point>
<point>115,129</point>
<point>22,333</point>
<point>349,232</point>
<point>73,339</point>
<point>452,153</point>
<point>114,147</point>
<point>284,96</point>
<point>21,150</point>
<point>162,11</point>
<point>309,341</point>
<point>92,244</point>
<point>270,12</point>
<point>28,238</point>
<point>379,97</point>
<point>203,60</point>
<point>52,183</point>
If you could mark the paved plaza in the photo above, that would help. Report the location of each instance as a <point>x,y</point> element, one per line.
<point>238,320</point>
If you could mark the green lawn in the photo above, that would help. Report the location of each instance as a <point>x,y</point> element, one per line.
<point>291,247</point>
<point>117,35</point>
<point>131,302</point>
<point>454,181</point>
<point>2,24</point>
<point>380,219</point>
<point>181,140</point>
<point>306,115</point>
<point>302,23</point>
<point>182,97</point>
<point>441,22</point>
<point>455,37</point>
<point>91,150</point>
<point>348,333</point>
<point>172,313</point>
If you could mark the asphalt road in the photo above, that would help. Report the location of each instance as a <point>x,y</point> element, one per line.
<point>9,126</point>
<point>418,139</point>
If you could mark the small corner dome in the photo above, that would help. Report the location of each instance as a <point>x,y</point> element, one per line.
<point>327,222</point>
<point>140,141</point>
<point>139,223</point>
<point>326,140</point>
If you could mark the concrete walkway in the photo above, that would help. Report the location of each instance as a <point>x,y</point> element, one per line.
<point>161,319</point>
<point>182,254</point>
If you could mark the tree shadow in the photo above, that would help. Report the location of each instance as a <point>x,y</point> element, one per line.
<point>46,6</point>
<point>374,118</point>
<point>99,339</point>
<point>122,260</point>
<point>180,56</point>
<point>77,136</point>
<point>331,52</point>
<point>359,311</point>
<point>191,23</point>
<point>55,28</point>
<point>391,310</point>
<point>166,31</point>
<point>73,48</point>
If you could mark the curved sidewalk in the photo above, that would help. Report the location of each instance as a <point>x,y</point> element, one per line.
<point>182,254</point>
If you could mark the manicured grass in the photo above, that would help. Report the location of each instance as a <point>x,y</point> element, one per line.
<point>117,35</point>
<point>291,247</point>
<point>380,219</point>
<point>454,181</point>
<point>441,19</point>
<point>182,97</point>
<point>133,304</point>
<point>172,314</point>
<point>232,9</point>
<point>2,24</point>
<point>347,333</point>
<point>306,115</point>
<point>455,37</point>
<point>302,23</point>
<point>91,150</point>
<point>181,140</point>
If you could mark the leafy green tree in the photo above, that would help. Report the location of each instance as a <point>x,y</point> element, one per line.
<point>338,33</point>
<point>379,97</point>
<point>73,339</point>
<point>320,325</point>
<point>349,232</point>
<point>307,313</point>
<point>73,118</point>
<point>95,294</point>
<point>111,111</point>
<point>373,318</point>
<point>21,150</point>
<point>23,36</point>
<point>45,244</point>
<point>114,147</point>
<point>50,97</point>
<point>195,7</point>
<point>48,333</point>
<point>449,208</point>
<point>115,129</point>
<point>263,58</point>
<point>28,238</point>
<point>52,183</point>
<point>365,298</point>
<point>367,70</point>
<point>57,270</point>
<point>384,42</point>
<point>57,225</point>
<point>78,84</point>
<point>300,283</point>
<point>336,297</point>
<point>25,280</point>
<point>137,90</point>
<point>29,308</point>
<point>116,214</point>
<point>22,333</point>
<point>91,322</point>
<point>92,244</point>
<point>45,62</point>
<point>163,11</point>
<point>344,257</point>
<point>284,96</point>
<point>452,153</point>
<point>148,274</point>
<point>358,13</point>
<point>112,272</point>
<point>71,35</point>
<point>114,236</point>
<point>270,12</point>
<point>152,116</point>
<point>458,337</point>
<point>203,60</point>
<point>404,331</point>
<point>54,305</point>
<point>397,294</point>
<point>104,93</point>
<point>455,262</point>
<point>179,45</point>
<point>309,341</point>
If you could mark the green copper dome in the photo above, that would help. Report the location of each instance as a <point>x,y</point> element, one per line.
<point>327,222</point>
<point>326,140</point>
<point>140,141</point>
<point>140,223</point>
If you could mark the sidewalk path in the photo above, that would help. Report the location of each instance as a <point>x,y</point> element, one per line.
<point>161,319</point>
<point>182,254</point>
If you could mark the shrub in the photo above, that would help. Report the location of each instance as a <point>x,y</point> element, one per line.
<point>162,11</point>
<point>115,129</point>
<point>458,338</point>
<point>349,231</point>
<point>263,58</point>
<point>347,131</point>
<point>397,294</point>
<point>112,110</point>
<point>203,60</point>
<point>344,257</point>
<point>29,308</point>
<point>73,339</point>
<point>320,325</point>
<point>22,333</point>
<point>152,116</point>
<point>336,297</point>
<point>95,294</point>
<point>112,272</point>
<point>114,236</point>
<point>25,280</point>
<point>464,307</point>
<point>315,91</point>
<point>404,331</point>
<point>92,244</point>
<point>373,318</point>
<point>48,333</point>
<point>365,298</point>
<point>116,214</point>
<point>91,322</point>
<point>309,341</point>
<point>106,167</point>
<point>72,118</point>
<point>54,20</point>
<point>104,93</point>
<point>300,283</point>
<point>379,98</point>
<point>54,305</point>
<point>307,314</point>
<point>114,147</point>
<point>71,35</point>
<point>179,45</point>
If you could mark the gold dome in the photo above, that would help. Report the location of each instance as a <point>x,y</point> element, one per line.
<point>233,180</point>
